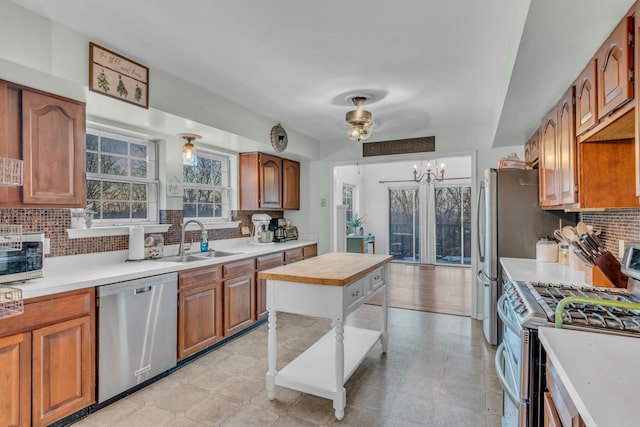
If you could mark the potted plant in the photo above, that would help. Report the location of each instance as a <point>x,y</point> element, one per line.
<point>356,223</point>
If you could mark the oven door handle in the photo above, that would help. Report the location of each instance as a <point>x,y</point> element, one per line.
<point>500,355</point>
<point>513,327</point>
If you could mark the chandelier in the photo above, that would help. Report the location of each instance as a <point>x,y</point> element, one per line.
<point>418,176</point>
<point>189,150</point>
<point>359,119</point>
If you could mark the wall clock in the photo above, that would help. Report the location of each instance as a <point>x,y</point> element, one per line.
<point>279,138</point>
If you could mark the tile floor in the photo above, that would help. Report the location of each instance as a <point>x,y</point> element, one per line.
<point>438,372</point>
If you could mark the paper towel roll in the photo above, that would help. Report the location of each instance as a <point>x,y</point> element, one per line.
<point>136,242</point>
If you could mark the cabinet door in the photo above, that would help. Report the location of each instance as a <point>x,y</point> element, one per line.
<point>62,369</point>
<point>566,149</point>
<point>615,62</point>
<point>586,99</point>
<point>270,177</point>
<point>261,298</point>
<point>290,185</point>
<point>549,188</point>
<point>10,138</point>
<point>53,132</point>
<point>239,305</point>
<point>15,380</point>
<point>199,319</point>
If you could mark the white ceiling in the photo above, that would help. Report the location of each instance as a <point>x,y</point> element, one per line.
<point>430,64</point>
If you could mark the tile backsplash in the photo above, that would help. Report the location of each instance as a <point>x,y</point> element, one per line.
<point>615,225</point>
<point>55,222</point>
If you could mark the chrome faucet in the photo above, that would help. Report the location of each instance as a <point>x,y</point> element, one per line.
<point>184,228</point>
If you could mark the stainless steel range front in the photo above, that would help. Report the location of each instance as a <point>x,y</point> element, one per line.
<point>520,360</point>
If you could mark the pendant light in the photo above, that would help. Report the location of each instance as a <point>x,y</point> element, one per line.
<point>189,150</point>
<point>359,119</point>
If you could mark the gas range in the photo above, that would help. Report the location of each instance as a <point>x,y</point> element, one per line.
<point>534,304</point>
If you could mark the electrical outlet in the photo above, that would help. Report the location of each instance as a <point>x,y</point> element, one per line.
<point>620,248</point>
<point>47,246</point>
<point>245,231</point>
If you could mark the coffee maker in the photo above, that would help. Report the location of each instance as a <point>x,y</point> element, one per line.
<point>282,232</point>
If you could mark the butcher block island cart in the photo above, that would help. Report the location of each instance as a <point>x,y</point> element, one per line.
<point>331,286</point>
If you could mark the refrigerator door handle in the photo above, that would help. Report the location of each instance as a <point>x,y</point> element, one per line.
<point>479,225</point>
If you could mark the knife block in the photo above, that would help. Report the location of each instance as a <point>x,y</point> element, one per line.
<point>606,272</point>
<point>594,276</point>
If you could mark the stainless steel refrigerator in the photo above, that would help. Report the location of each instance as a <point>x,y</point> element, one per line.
<point>510,222</point>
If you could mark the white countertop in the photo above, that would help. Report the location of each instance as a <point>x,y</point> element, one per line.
<point>600,373</point>
<point>525,269</point>
<point>62,274</point>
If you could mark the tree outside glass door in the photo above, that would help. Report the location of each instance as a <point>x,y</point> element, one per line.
<point>453,224</point>
<point>404,224</point>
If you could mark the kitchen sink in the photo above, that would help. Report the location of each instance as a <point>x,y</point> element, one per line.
<point>199,256</point>
<point>215,254</point>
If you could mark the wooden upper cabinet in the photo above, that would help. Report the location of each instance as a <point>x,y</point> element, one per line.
<point>586,99</point>
<point>290,185</point>
<point>47,132</point>
<point>566,149</point>
<point>531,148</point>
<point>268,182</point>
<point>615,64</point>
<point>549,188</point>
<point>270,178</point>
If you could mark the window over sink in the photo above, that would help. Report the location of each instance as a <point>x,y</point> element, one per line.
<point>206,189</point>
<point>122,180</point>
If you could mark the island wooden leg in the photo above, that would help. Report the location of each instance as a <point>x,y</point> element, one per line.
<point>272,355</point>
<point>340,397</point>
<point>384,337</point>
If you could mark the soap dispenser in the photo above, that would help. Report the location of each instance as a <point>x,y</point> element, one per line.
<point>204,241</point>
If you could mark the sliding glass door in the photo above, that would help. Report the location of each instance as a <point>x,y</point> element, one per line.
<point>404,224</point>
<point>453,224</point>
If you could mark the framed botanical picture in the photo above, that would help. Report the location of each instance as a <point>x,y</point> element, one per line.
<point>118,77</point>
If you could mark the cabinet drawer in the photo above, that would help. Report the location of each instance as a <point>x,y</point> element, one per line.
<point>354,292</point>
<point>375,280</point>
<point>269,261</point>
<point>293,255</point>
<point>550,414</point>
<point>46,310</point>
<point>565,408</point>
<point>310,251</point>
<point>238,268</point>
<point>197,277</point>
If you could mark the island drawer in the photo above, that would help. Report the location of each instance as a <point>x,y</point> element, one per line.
<point>354,292</point>
<point>375,280</point>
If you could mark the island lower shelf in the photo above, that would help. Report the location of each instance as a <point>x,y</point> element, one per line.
<point>313,371</point>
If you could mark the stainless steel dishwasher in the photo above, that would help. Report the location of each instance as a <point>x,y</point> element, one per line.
<point>137,332</point>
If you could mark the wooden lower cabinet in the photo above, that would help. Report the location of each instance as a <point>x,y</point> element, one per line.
<point>15,380</point>
<point>239,303</point>
<point>62,382</point>
<point>47,369</point>
<point>199,310</point>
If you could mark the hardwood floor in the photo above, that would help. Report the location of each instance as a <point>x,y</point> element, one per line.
<point>436,289</point>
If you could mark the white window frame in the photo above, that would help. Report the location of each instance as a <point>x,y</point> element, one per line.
<point>353,199</point>
<point>151,181</point>
<point>224,188</point>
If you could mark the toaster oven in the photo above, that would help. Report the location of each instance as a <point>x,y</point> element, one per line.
<point>25,263</point>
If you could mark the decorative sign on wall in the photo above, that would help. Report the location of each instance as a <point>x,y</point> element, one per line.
<point>399,146</point>
<point>118,77</point>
